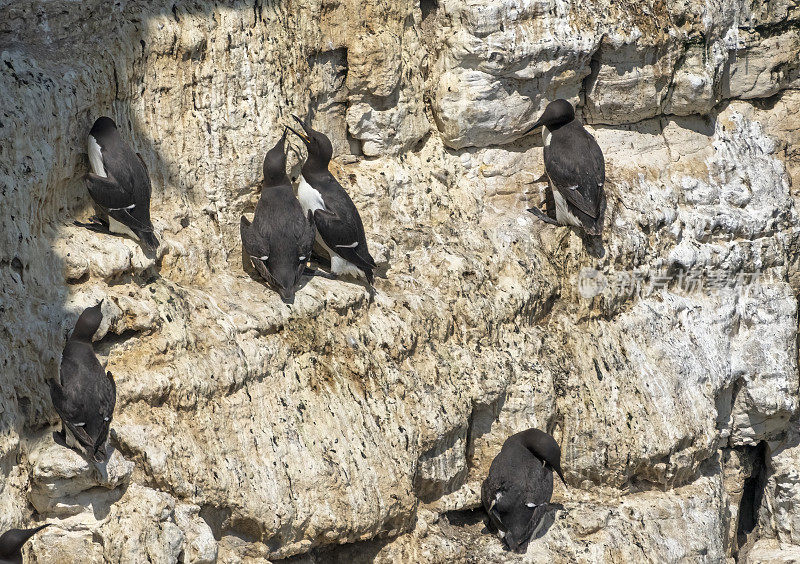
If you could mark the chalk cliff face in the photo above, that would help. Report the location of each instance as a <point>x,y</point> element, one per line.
<point>349,427</point>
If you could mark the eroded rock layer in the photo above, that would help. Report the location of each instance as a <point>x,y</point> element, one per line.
<point>358,427</point>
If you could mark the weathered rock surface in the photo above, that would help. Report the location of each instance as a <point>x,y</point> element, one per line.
<point>359,427</point>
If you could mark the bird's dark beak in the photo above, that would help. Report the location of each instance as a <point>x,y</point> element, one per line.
<point>534,126</point>
<point>305,138</point>
<point>560,475</point>
<point>286,294</point>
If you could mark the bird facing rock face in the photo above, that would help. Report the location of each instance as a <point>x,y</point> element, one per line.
<point>517,491</point>
<point>574,164</point>
<point>339,227</point>
<point>280,239</point>
<point>11,544</point>
<point>85,395</point>
<point>119,185</point>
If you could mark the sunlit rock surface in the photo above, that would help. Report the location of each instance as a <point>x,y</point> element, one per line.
<point>352,427</point>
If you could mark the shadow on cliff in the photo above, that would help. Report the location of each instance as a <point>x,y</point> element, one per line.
<point>55,95</point>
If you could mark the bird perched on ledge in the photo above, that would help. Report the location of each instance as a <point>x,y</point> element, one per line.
<point>11,543</point>
<point>280,239</point>
<point>517,491</point>
<point>119,184</point>
<point>85,395</point>
<point>339,227</point>
<point>574,164</point>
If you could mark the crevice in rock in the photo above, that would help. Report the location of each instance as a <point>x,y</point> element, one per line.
<point>725,402</point>
<point>79,280</point>
<point>104,345</point>
<point>591,78</point>
<point>355,144</point>
<point>751,501</point>
<point>348,553</point>
<point>465,517</point>
<point>217,519</point>
<point>428,7</point>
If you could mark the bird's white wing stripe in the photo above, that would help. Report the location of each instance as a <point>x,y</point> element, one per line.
<point>302,258</point>
<point>573,187</point>
<point>350,246</point>
<point>130,207</point>
<point>265,257</point>
<point>531,505</point>
<point>81,424</point>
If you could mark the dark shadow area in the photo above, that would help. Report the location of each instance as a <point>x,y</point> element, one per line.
<point>364,552</point>
<point>428,7</point>
<point>59,81</point>
<point>752,495</point>
<point>466,517</point>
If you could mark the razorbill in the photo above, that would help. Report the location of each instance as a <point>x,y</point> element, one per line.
<point>574,164</point>
<point>280,239</point>
<point>339,227</point>
<point>119,184</point>
<point>85,395</point>
<point>517,490</point>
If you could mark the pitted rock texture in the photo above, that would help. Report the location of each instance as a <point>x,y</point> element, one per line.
<point>357,426</point>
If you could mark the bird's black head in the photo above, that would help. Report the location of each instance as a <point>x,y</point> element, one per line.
<point>513,514</point>
<point>557,113</point>
<point>275,163</point>
<point>544,447</point>
<point>103,128</point>
<point>12,540</point>
<point>285,271</point>
<point>320,150</point>
<point>88,323</point>
<point>520,524</point>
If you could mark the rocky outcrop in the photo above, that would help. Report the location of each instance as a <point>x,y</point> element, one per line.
<point>359,426</point>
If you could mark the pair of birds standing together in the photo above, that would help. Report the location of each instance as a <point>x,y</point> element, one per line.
<point>280,239</point>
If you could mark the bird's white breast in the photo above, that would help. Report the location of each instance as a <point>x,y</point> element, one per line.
<point>309,197</point>
<point>563,215</point>
<point>120,228</point>
<point>546,136</point>
<point>96,157</point>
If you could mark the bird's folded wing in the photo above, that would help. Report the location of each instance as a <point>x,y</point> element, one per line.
<point>107,192</point>
<point>343,238</point>
<point>70,412</point>
<point>254,245</point>
<point>581,181</point>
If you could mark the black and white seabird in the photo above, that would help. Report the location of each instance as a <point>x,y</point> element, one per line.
<point>85,395</point>
<point>119,184</point>
<point>11,543</point>
<point>517,490</point>
<point>280,239</point>
<point>339,227</point>
<point>574,164</point>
